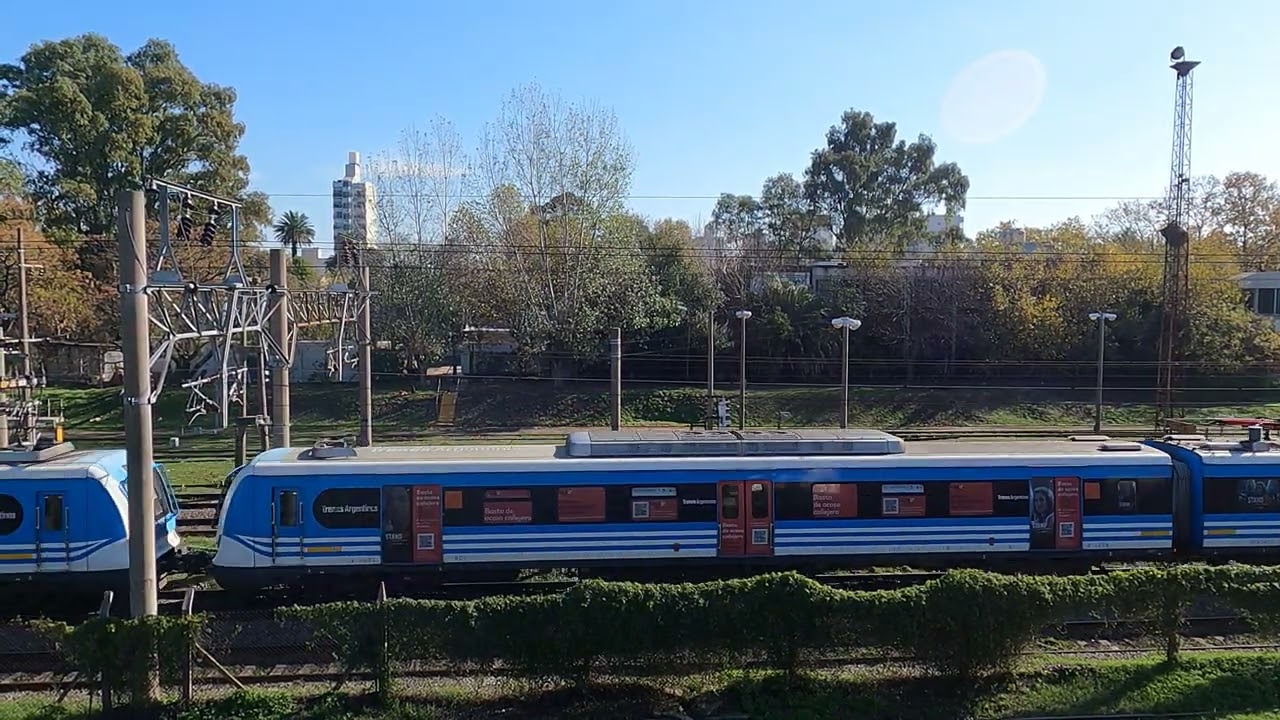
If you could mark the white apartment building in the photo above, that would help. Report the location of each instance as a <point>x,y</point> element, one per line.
<point>354,213</point>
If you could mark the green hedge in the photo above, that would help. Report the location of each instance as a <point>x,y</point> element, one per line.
<point>965,623</point>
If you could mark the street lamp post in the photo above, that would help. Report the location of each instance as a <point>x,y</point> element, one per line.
<point>743,316</point>
<point>845,325</point>
<point>1101,318</point>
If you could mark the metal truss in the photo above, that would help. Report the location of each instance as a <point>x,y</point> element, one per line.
<point>228,320</point>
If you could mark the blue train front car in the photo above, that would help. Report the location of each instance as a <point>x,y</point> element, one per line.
<point>1234,494</point>
<point>64,518</point>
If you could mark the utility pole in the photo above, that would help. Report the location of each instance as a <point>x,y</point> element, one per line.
<point>743,316</point>
<point>28,417</point>
<point>4,396</point>
<point>1101,318</point>
<point>135,340</point>
<point>615,377</point>
<point>711,369</point>
<point>365,438</point>
<point>280,336</point>
<point>845,324</point>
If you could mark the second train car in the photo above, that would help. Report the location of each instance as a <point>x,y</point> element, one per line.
<point>794,498</point>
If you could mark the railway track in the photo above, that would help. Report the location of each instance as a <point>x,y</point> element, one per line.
<point>301,663</point>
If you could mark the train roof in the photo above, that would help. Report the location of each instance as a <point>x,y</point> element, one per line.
<point>61,461</point>
<point>637,450</point>
<point>1224,451</point>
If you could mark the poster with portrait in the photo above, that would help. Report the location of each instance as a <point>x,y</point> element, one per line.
<point>1042,512</point>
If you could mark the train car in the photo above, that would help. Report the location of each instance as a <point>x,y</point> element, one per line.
<point>1233,496</point>
<point>795,498</point>
<point>64,518</point>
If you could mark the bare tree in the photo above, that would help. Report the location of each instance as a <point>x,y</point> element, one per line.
<point>561,259</point>
<point>419,184</point>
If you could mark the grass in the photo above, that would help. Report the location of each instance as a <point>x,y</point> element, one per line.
<point>197,473</point>
<point>320,410</point>
<point>1240,686</point>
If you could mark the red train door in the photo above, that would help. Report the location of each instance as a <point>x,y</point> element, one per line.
<point>746,517</point>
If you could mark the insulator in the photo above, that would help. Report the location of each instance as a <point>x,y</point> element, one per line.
<point>210,226</point>
<point>186,226</point>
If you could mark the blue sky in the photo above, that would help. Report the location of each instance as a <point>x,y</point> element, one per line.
<point>716,96</point>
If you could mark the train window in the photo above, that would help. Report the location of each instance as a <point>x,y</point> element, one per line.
<point>1126,496</point>
<point>1256,494</point>
<point>698,503</point>
<point>1155,496</point>
<point>288,508</point>
<point>729,502</point>
<point>580,504</point>
<point>793,501</point>
<point>1012,498</point>
<point>10,514</point>
<point>53,514</point>
<point>348,508</point>
<point>759,502</point>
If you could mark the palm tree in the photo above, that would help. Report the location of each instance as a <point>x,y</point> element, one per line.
<point>294,229</point>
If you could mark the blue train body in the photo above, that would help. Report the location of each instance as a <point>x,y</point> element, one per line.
<point>1234,507</point>
<point>789,499</point>
<point>64,518</point>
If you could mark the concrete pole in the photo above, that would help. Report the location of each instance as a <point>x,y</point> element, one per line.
<point>615,377</point>
<point>4,396</point>
<point>1102,346</point>
<point>711,368</point>
<point>279,329</point>
<point>365,438</point>
<point>24,332</point>
<point>135,340</point>
<point>742,373</point>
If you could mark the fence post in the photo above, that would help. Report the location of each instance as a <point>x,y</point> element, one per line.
<point>189,659</point>
<point>104,612</point>
<point>382,668</point>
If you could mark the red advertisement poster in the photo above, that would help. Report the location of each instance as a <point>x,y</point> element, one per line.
<point>426,524</point>
<point>902,506</point>
<point>1068,530</point>
<point>835,500</point>
<point>971,498</point>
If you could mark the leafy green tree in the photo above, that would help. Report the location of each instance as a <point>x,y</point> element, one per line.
<point>294,230</point>
<point>875,187</point>
<point>100,122</point>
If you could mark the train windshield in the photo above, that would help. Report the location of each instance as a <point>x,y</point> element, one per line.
<point>165,501</point>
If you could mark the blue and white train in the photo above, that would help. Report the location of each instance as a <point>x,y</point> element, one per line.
<point>675,499</point>
<point>64,519</point>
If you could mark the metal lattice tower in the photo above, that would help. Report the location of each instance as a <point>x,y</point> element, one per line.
<point>227,320</point>
<point>1177,250</point>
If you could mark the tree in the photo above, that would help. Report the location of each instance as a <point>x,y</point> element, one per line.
<point>294,229</point>
<point>100,122</point>
<point>419,183</point>
<point>549,250</point>
<point>1248,209</point>
<point>876,187</point>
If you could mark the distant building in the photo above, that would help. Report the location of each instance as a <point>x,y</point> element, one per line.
<point>1262,294</point>
<point>354,214</point>
<point>939,224</point>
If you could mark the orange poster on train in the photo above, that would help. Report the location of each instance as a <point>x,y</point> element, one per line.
<point>835,500</point>
<point>1067,518</point>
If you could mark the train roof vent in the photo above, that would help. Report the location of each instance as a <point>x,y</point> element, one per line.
<point>1120,446</point>
<point>329,450</point>
<point>667,443</point>
<point>819,442</point>
<point>24,455</point>
<point>1089,438</point>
